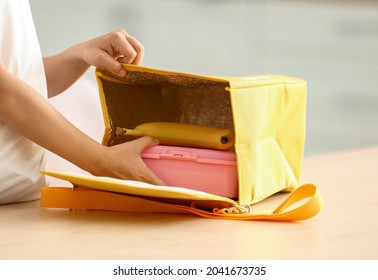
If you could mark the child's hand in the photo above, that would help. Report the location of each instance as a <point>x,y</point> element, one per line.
<point>107,51</point>
<point>110,50</point>
<point>124,161</point>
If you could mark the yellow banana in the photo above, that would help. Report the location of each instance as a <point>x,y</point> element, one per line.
<point>181,134</point>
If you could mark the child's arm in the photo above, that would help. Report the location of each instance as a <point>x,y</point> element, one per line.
<point>26,111</point>
<point>107,51</point>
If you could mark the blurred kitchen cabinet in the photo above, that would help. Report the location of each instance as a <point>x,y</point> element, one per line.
<point>334,46</point>
<point>206,37</point>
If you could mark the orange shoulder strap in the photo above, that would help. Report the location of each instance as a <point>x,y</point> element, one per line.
<point>303,203</point>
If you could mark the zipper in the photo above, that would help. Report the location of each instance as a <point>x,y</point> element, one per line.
<point>235,209</point>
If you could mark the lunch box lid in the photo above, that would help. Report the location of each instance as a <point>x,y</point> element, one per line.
<point>190,154</point>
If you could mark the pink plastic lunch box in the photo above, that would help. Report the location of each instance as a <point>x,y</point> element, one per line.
<point>210,171</point>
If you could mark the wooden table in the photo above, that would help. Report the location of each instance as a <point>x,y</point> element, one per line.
<point>347,228</point>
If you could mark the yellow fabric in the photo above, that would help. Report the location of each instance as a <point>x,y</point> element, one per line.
<point>269,122</point>
<point>268,114</point>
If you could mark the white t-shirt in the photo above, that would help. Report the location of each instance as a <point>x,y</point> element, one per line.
<point>20,159</point>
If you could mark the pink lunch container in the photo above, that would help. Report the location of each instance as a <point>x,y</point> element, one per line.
<point>210,171</point>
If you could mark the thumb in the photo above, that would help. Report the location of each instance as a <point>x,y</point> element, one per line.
<point>145,142</point>
<point>117,69</point>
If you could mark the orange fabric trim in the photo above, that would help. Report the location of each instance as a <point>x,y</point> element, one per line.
<point>85,198</point>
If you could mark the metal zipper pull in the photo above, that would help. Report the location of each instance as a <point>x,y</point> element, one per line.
<point>235,209</point>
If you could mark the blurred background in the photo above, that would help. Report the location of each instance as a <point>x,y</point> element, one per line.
<point>333,45</point>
